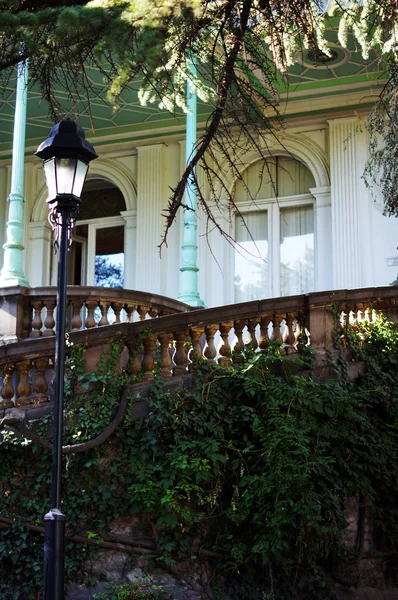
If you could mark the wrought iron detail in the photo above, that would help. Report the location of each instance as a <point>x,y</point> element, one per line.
<point>62,209</point>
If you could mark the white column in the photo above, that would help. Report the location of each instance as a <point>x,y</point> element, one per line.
<point>150,179</point>
<point>39,254</point>
<point>189,291</point>
<point>323,238</point>
<point>3,207</point>
<point>345,203</point>
<point>201,235</point>
<point>12,272</point>
<point>130,247</point>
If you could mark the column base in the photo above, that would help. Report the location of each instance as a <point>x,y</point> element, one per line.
<point>192,300</point>
<point>13,280</point>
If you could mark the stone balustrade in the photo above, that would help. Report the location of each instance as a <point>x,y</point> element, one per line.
<point>31,312</point>
<point>176,341</point>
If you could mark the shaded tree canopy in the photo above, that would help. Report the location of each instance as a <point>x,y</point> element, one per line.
<point>241,47</point>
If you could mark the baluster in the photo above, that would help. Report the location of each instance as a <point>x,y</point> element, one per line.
<point>359,313</point>
<point>238,326</point>
<point>7,390</point>
<point>143,311</point>
<point>130,310</point>
<point>103,306</point>
<point>135,357</point>
<point>37,323</point>
<point>117,309</point>
<point>196,351</point>
<point>225,350</point>
<point>302,336</point>
<point>49,321</point>
<point>40,386</point>
<point>180,355</point>
<point>252,324</point>
<point>91,305</point>
<point>368,314</point>
<point>26,319</point>
<point>276,334</point>
<point>76,320</point>
<point>343,320</point>
<point>289,337</point>
<point>210,351</point>
<point>165,358</point>
<point>264,339</point>
<point>153,312</point>
<point>23,387</point>
<point>148,362</point>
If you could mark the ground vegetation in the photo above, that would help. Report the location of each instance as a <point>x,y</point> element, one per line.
<point>247,473</point>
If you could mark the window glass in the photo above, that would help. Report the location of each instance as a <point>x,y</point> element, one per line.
<point>280,176</point>
<point>109,257</point>
<point>251,256</point>
<point>297,250</point>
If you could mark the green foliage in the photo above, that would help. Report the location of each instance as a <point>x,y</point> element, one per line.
<point>381,170</point>
<point>133,591</point>
<point>256,461</point>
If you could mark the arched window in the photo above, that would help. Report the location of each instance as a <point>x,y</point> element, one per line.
<point>274,230</point>
<point>97,253</point>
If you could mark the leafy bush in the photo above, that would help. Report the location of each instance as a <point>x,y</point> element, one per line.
<point>130,591</point>
<point>256,462</point>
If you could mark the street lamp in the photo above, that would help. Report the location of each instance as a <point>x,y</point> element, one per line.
<point>66,155</point>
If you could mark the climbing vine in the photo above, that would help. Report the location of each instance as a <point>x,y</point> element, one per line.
<point>248,471</point>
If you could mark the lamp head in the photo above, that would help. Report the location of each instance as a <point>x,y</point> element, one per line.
<point>66,155</point>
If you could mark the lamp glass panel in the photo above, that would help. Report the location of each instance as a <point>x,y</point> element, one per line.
<point>80,177</point>
<point>65,174</point>
<point>49,172</point>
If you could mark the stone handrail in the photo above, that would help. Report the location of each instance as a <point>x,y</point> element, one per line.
<point>31,312</point>
<point>216,335</point>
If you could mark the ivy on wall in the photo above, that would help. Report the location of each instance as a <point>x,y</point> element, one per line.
<point>249,470</point>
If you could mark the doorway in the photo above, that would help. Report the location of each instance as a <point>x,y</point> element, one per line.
<point>97,256</point>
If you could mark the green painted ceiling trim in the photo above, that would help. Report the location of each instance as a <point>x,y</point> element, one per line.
<point>315,85</point>
<point>289,100</point>
<point>323,111</point>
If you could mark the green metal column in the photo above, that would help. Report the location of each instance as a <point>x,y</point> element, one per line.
<point>189,271</point>
<point>12,271</point>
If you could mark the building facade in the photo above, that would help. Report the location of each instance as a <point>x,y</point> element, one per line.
<point>305,220</point>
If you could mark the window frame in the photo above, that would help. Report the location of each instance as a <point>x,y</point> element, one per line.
<point>273,207</point>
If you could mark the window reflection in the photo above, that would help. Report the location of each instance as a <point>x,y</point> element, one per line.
<point>109,257</point>
<point>251,256</point>
<point>297,250</point>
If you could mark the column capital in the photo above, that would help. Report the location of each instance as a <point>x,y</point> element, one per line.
<point>341,120</point>
<point>142,149</point>
<point>129,216</point>
<point>39,230</point>
<point>322,195</point>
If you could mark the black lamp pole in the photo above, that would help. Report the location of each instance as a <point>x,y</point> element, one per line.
<point>66,154</point>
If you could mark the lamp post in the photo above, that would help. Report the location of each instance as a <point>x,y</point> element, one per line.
<point>66,155</point>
